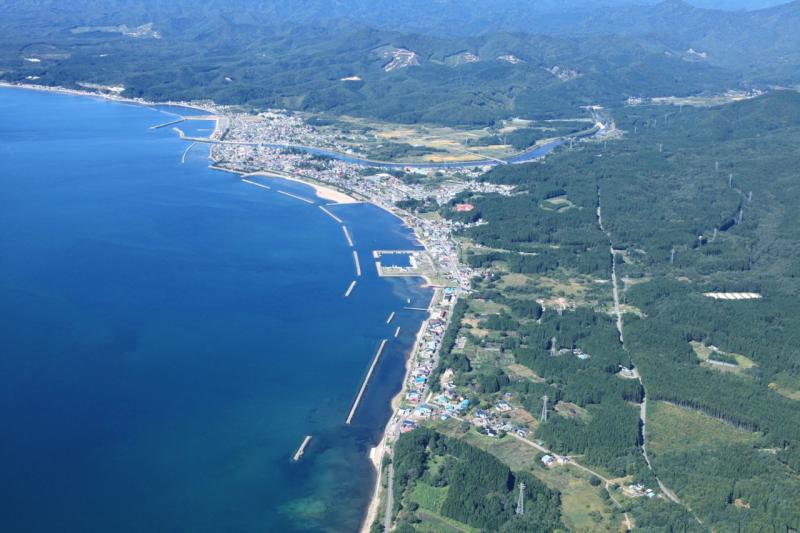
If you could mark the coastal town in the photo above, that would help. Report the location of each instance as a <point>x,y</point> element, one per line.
<point>280,144</point>
<point>452,266</point>
<point>245,145</point>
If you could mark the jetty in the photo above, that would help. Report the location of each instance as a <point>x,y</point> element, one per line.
<point>334,217</point>
<point>257,184</point>
<point>358,265</point>
<point>296,197</point>
<point>366,381</point>
<point>302,449</point>
<point>350,289</point>
<point>170,123</point>
<point>347,236</point>
<point>391,317</point>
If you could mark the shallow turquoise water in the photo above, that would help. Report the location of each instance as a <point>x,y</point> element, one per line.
<point>169,334</point>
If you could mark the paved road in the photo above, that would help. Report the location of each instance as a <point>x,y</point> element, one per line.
<point>387,516</point>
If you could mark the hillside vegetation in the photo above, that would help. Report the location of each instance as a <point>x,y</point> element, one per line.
<point>262,55</point>
<point>676,203</point>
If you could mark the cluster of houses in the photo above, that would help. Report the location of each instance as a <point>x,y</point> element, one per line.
<point>449,401</point>
<point>414,407</point>
<point>491,423</point>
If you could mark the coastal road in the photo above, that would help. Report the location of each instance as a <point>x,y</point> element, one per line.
<point>387,515</point>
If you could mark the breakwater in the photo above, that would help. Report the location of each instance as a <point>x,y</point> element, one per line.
<point>366,381</point>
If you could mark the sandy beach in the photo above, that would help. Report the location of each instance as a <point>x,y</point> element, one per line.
<point>322,191</point>
<point>105,96</point>
<point>377,453</point>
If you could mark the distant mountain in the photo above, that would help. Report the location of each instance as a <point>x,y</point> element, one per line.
<point>258,52</point>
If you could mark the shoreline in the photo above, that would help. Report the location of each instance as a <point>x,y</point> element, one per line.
<point>378,452</point>
<point>326,192</point>
<point>110,97</point>
<point>322,191</point>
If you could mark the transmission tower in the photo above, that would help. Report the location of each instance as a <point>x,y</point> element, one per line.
<point>521,499</point>
<point>543,418</point>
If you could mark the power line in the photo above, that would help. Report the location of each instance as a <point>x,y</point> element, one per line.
<point>521,499</point>
<point>543,418</point>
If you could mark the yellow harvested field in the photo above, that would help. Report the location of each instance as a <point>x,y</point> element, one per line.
<point>394,134</point>
<point>449,158</point>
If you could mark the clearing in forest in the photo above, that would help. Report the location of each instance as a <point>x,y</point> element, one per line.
<point>671,429</point>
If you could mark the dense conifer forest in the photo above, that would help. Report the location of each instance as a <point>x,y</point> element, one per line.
<point>693,201</point>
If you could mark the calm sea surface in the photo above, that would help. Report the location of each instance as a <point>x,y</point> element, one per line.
<point>169,334</point>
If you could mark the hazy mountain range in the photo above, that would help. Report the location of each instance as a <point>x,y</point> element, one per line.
<point>460,61</point>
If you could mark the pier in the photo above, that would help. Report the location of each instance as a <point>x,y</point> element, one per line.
<point>347,236</point>
<point>350,289</point>
<point>257,184</point>
<point>391,317</point>
<point>170,123</point>
<point>358,265</point>
<point>302,199</point>
<point>334,217</point>
<point>302,449</point>
<point>366,381</point>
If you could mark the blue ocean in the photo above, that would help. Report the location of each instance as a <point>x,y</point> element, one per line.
<point>169,334</point>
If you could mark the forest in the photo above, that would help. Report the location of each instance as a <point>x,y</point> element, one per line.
<point>695,201</point>
<point>256,55</point>
<point>482,491</point>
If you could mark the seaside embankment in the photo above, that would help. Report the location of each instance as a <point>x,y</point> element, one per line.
<point>322,191</point>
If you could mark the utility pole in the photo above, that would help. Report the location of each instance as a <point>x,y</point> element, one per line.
<point>521,499</point>
<point>543,418</point>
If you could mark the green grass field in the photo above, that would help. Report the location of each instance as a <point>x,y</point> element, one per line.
<point>582,505</point>
<point>559,204</point>
<point>786,385</point>
<point>434,523</point>
<point>428,497</point>
<point>671,428</point>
